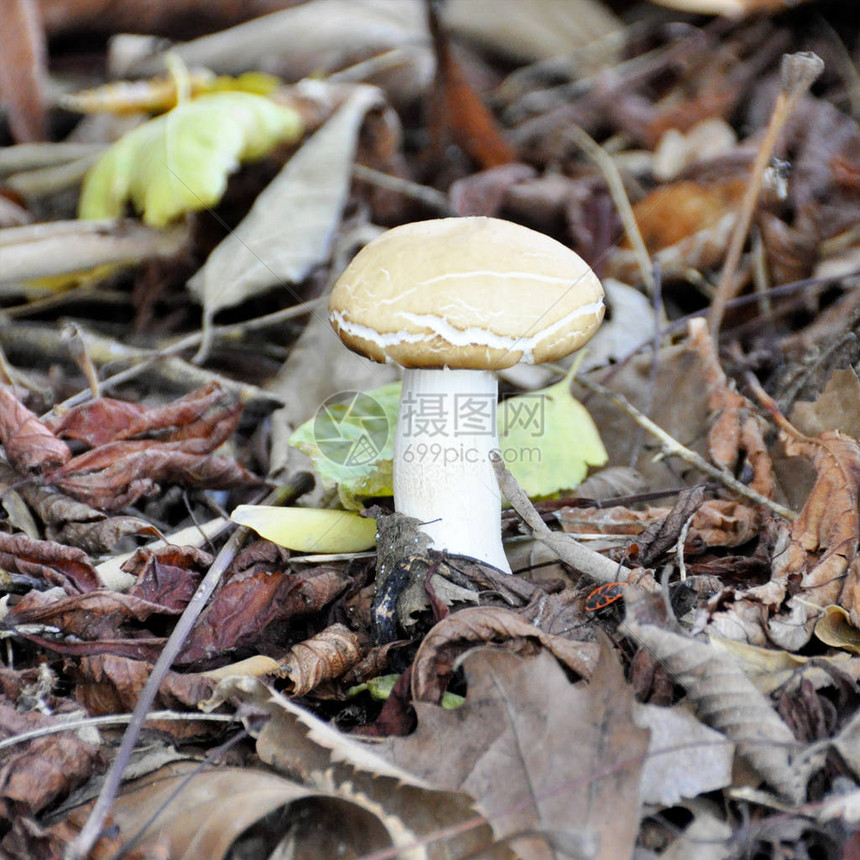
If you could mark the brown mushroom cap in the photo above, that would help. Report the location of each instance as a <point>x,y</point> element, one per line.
<point>475,292</point>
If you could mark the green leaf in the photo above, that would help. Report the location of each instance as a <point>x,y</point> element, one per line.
<point>309,529</point>
<point>179,162</point>
<point>548,440</point>
<point>345,442</point>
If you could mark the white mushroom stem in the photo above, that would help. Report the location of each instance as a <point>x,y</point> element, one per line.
<point>442,471</point>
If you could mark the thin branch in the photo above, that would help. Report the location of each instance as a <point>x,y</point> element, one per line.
<point>672,447</point>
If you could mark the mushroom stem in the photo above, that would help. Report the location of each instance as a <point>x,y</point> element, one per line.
<point>442,470</point>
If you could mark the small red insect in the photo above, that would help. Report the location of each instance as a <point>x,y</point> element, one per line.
<point>604,595</point>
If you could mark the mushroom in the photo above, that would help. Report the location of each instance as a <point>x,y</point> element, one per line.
<point>451,300</point>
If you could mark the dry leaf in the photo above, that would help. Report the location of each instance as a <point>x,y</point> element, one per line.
<point>736,427</point>
<point>191,813</point>
<point>323,657</point>
<point>541,756</point>
<point>35,774</point>
<point>537,30</point>
<point>30,445</point>
<point>450,638</point>
<point>23,72</point>
<point>726,699</point>
<point>291,226</point>
<point>48,562</point>
<point>248,602</point>
<point>685,758</point>
<point>836,408</point>
<point>433,824</point>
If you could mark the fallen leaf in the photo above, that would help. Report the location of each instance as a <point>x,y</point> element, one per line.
<point>432,822</point>
<point>309,529</point>
<point>725,699</point>
<point>836,408</point>
<point>541,756</point>
<point>48,562</point>
<point>292,224</point>
<point>179,162</point>
<point>685,758</point>
<point>461,631</point>
<point>324,657</point>
<point>248,602</point>
<point>834,628</point>
<point>39,772</point>
<point>24,72</point>
<point>548,439</point>
<point>30,446</point>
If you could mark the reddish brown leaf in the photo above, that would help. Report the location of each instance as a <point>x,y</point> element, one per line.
<point>168,575</point>
<point>108,684</point>
<point>34,774</point>
<point>736,426</point>
<point>118,474</point>
<point>30,445</point>
<point>457,110</point>
<point>247,603</point>
<point>198,414</point>
<point>93,616</point>
<point>23,70</point>
<point>48,562</point>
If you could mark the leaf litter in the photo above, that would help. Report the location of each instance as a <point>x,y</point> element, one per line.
<point>711,708</point>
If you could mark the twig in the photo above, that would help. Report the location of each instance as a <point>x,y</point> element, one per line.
<point>563,545</point>
<point>619,196</point>
<point>86,839</point>
<point>797,75</point>
<point>430,197</point>
<point>672,447</point>
<point>114,720</point>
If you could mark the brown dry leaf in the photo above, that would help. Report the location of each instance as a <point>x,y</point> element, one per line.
<point>23,72</point>
<point>822,546</point>
<point>48,562</point>
<point>736,427</point>
<point>89,617</point>
<point>323,657</point>
<point>836,408</point>
<point>118,474</point>
<point>450,638</point>
<point>189,812</point>
<point>430,823</point>
<point>834,628</point>
<point>109,684</point>
<point>167,575</point>
<point>209,412</point>
<point>558,762</point>
<point>35,774</point>
<point>717,522</point>
<point>725,699</point>
<point>456,110</point>
<point>30,445</point>
<point>248,602</point>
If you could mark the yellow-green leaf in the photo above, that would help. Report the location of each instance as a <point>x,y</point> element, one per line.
<point>351,443</point>
<point>179,162</point>
<point>309,529</point>
<point>548,440</point>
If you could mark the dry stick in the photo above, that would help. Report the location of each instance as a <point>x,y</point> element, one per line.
<point>619,197</point>
<point>797,74</point>
<point>563,545</point>
<point>83,843</point>
<point>672,447</point>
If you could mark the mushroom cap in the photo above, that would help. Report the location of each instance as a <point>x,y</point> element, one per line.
<point>474,292</point>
